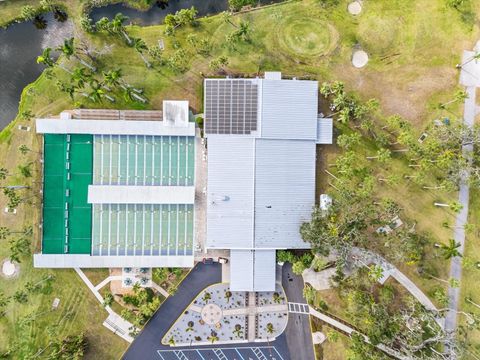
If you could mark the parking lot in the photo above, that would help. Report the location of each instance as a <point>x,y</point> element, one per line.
<point>231,353</point>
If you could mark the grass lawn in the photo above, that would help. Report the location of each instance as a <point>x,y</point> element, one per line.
<point>329,350</point>
<point>413,47</point>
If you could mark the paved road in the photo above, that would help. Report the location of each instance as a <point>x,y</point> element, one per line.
<point>148,342</point>
<point>468,78</point>
<point>298,331</point>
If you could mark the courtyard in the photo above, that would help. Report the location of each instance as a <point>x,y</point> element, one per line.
<point>218,315</point>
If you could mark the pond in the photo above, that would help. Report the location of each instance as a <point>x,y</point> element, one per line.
<point>157,13</point>
<point>20,44</point>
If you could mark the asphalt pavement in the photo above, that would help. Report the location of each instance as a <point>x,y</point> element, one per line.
<point>298,332</point>
<point>294,344</point>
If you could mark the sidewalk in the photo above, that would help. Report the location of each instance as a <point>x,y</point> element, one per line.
<point>114,322</point>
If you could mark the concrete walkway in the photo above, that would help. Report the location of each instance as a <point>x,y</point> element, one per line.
<point>469,77</point>
<point>349,330</point>
<point>368,257</point>
<point>114,322</point>
<point>107,280</point>
<point>160,289</point>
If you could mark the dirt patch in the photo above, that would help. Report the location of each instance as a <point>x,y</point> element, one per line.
<point>401,91</point>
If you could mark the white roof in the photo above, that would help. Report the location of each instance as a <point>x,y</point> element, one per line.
<point>88,261</point>
<point>259,192</point>
<point>125,194</point>
<point>289,109</point>
<point>284,191</point>
<point>252,270</point>
<point>325,131</point>
<point>230,197</point>
<point>112,127</point>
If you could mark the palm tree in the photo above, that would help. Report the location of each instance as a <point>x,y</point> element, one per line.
<point>68,49</point>
<point>130,95</point>
<point>244,31</point>
<point>238,330</point>
<point>270,328</point>
<point>96,92</point>
<point>112,77</point>
<point>383,155</point>
<point>213,337</point>
<point>475,57</point>
<point>140,46</point>
<point>80,77</point>
<point>228,295</point>
<point>117,27</point>
<point>207,296</point>
<point>455,206</point>
<point>45,58</point>
<point>104,25</point>
<point>227,18</point>
<point>70,90</point>
<point>451,250</point>
<point>460,95</point>
<point>277,299</point>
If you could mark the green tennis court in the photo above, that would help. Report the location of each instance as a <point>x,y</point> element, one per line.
<point>66,213</point>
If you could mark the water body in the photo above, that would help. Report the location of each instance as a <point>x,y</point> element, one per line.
<point>20,44</point>
<point>157,13</point>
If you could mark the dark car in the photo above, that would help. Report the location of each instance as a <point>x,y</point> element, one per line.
<point>207,261</point>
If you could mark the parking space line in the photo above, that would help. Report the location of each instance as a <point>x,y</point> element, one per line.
<point>199,353</point>
<point>239,354</point>
<point>158,352</point>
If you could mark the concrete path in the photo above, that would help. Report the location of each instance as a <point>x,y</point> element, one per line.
<point>160,289</point>
<point>114,322</point>
<point>469,77</point>
<point>107,280</point>
<point>368,257</point>
<point>349,330</point>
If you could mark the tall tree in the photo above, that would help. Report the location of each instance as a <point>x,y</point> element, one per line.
<point>140,46</point>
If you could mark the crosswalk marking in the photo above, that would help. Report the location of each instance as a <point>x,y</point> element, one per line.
<point>298,308</point>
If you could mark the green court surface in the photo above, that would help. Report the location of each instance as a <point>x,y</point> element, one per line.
<point>67,216</point>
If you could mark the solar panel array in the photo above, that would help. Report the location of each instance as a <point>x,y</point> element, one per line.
<point>231,106</point>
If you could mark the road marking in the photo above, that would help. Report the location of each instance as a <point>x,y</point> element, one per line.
<point>158,352</point>
<point>199,353</point>
<point>220,354</point>
<point>298,308</point>
<point>238,352</point>
<point>186,354</point>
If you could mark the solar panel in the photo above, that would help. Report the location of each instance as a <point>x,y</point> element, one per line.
<point>231,106</point>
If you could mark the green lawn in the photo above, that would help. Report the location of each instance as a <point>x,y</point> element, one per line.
<point>413,47</point>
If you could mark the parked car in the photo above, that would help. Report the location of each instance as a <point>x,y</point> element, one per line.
<point>222,260</point>
<point>207,261</point>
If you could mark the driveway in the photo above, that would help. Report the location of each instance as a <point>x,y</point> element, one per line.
<point>147,344</point>
<point>298,331</point>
